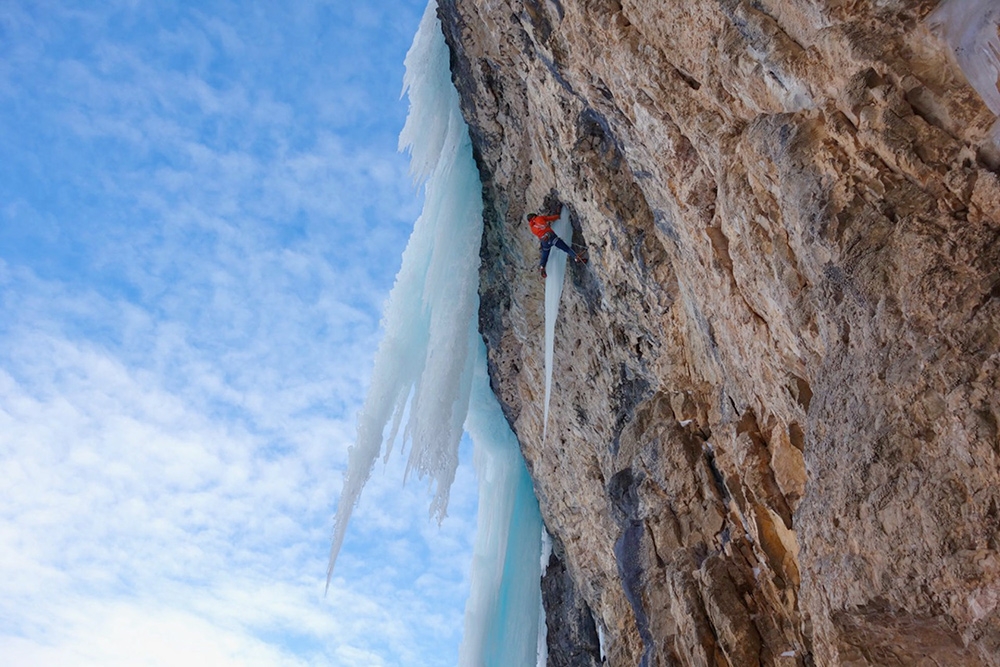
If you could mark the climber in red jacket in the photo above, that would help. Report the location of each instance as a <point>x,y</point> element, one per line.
<point>541,226</point>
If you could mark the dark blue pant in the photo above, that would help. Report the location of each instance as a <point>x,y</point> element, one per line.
<point>553,239</point>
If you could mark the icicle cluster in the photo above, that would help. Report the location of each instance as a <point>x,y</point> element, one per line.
<point>430,374</point>
<point>425,360</point>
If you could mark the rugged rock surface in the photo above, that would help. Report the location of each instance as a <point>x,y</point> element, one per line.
<point>774,430</point>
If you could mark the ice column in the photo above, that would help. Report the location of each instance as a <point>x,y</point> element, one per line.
<point>430,373</point>
<point>556,270</point>
<point>502,614</point>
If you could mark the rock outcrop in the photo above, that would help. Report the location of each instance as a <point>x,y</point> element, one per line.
<point>774,427</point>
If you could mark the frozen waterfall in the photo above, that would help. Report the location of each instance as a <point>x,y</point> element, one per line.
<point>430,374</point>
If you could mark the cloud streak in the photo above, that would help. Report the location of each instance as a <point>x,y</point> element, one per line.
<point>200,215</point>
<point>119,490</point>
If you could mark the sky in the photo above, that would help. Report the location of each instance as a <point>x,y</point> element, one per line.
<point>202,209</point>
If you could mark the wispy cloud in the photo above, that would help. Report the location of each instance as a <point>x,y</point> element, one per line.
<point>121,491</point>
<point>200,215</point>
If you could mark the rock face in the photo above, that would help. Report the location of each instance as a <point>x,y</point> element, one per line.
<point>773,437</point>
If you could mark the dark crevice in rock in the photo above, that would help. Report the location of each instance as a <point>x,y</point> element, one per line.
<point>693,83</point>
<point>538,19</point>
<point>717,476</point>
<point>629,558</point>
<point>624,495</point>
<point>594,134</point>
<point>554,70</point>
<point>631,390</point>
<point>571,634</point>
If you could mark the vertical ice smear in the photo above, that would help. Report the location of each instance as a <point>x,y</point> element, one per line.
<point>556,270</point>
<point>600,637</point>
<point>430,370</point>
<point>542,655</point>
<point>543,631</point>
<point>971,29</point>
<point>502,614</point>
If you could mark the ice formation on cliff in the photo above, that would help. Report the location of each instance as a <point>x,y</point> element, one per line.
<point>970,27</point>
<point>503,612</point>
<point>556,270</point>
<point>430,370</point>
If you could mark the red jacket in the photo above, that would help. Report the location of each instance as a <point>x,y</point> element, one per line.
<point>541,225</point>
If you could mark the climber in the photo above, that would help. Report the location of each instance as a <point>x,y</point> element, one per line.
<point>541,226</point>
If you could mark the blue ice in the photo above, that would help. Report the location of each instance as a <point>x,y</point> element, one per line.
<point>430,379</point>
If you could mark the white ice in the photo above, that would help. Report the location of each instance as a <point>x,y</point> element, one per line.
<point>543,563</point>
<point>970,29</point>
<point>600,638</point>
<point>556,274</point>
<point>424,357</point>
<point>430,374</point>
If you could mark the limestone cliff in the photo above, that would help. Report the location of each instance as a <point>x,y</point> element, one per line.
<point>774,429</point>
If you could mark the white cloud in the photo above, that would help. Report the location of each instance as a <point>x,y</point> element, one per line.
<point>193,255</point>
<point>107,634</point>
<point>120,494</point>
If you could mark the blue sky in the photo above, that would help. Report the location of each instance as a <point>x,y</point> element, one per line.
<point>201,213</point>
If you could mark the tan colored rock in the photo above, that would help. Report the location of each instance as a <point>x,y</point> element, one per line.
<point>773,435</point>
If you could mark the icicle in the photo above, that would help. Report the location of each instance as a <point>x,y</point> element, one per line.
<point>600,638</point>
<point>430,374</point>
<point>556,270</point>
<point>430,316</point>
